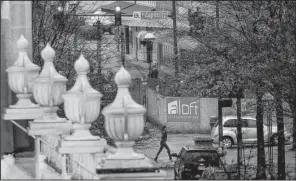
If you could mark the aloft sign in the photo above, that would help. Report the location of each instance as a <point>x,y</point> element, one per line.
<point>182,109</point>
<point>149,15</point>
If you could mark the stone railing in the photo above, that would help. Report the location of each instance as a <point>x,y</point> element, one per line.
<point>66,144</point>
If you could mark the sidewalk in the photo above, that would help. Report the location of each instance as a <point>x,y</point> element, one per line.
<point>144,67</point>
<point>149,146</point>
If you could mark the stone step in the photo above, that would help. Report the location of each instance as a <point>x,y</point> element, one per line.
<point>27,165</point>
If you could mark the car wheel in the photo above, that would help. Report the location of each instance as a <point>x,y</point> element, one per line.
<point>274,139</point>
<point>227,142</point>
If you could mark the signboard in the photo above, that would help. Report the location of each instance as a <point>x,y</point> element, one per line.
<point>149,15</point>
<point>183,109</point>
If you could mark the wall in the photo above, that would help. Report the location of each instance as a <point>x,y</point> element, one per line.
<point>157,113</point>
<point>6,127</point>
<point>154,107</point>
<point>16,19</point>
<point>209,108</point>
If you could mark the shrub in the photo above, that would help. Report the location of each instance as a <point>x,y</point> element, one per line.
<point>88,32</point>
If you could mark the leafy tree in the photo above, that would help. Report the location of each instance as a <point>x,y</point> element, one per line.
<point>66,35</point>
<point>254,49</point>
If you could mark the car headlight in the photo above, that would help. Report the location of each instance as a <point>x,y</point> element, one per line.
<point>197,176</point>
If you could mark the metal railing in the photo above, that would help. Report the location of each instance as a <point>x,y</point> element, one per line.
<point>49,163</point>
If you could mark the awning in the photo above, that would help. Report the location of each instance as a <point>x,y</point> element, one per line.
<point>126,7</point>
<point>163,23</point>
<point>141,35</point>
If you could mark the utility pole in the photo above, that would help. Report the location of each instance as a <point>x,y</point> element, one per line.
<point>122,46</point>
<point>239,133</point>
<point>174,16</point>
<point>220,130</point>
<point>217,15</point>
<point>99,39</point>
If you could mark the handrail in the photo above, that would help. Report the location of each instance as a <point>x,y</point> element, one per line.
<point>44,141</point>
<point>93,174</point>
<point>22,128</point>
<point>26,131</point>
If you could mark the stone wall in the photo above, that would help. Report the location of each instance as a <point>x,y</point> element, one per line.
<point>157,114</point>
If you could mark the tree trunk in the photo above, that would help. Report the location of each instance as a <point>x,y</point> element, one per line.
<point>239,133</point>
<point>293,109</point>
<point>176,62</point>
<point>261,165</point>
<point>281,137</point>
<point>294,130</point>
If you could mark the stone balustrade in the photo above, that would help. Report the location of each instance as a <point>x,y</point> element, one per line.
<point>66,143</point>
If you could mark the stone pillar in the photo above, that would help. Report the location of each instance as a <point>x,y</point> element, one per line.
<point>16,19</point>
<point>21,23</point>
<point>6,127</point>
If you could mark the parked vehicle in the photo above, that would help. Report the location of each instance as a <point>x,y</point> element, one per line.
<point>192,161</point>
<point>249,132</point>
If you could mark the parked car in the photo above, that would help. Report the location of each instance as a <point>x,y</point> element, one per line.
<point>249,132</point>
<point>192,161</point>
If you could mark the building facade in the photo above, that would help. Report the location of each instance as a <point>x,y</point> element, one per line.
<point>135,31</point>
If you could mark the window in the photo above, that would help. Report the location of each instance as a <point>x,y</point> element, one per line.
<point>251,123</point>
<point>245,123</point>
<point>230,123</point>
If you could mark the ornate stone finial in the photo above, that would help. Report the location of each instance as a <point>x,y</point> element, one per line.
<point>122,77</point>
<point>81,65</point>
<point>82,103</point>
<point>22,44</point>
<point>48,53</point>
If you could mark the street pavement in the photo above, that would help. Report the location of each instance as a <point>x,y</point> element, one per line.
<point>177,141</point>
<point>150,145</point>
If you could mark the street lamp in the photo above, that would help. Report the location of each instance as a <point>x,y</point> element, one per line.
<point>60,13</point>
<point>149,38</point>
<point>117,16</point>
<point>117,8</point>
<point>60,9</point>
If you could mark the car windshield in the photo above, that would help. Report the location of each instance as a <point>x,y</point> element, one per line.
<point>209,157</point>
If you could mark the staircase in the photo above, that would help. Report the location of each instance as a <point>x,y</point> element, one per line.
<point>24,168</point>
